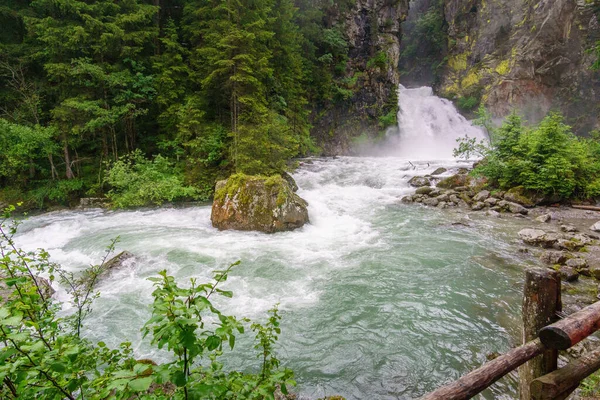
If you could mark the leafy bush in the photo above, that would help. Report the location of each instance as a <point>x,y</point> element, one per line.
<point>44,356</point>
<point>467,103</point>
<point>137,181</point>
<point>547,159</point>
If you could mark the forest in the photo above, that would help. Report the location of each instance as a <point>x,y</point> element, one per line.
<point>99,98</point>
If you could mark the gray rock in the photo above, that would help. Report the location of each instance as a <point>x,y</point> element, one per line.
<point>517,209</point>
<point>439,171</point>
<point>537,237</point>
<point>407,199</point>
<point>478,206</point>
<point>544,218</point>
<point>431,202</point>
<point>443,197</point>
<point>577,263</point>
<point>493,213</point>
<point>442,204</point>
<point>481,196</point>
<point>568,228</point>
<point>596,227</point>
<point>491,201</point>
<point>566,244</point>
<point>93,202</point>
<point>454,198</point>
<point>553,257</point>
<point>419,181</point>
<point>436,192</point>
<point>595,272</point>
<point>424,190</point>
<point>568,274</point>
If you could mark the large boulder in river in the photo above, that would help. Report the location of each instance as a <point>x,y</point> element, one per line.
<point>257,203</point>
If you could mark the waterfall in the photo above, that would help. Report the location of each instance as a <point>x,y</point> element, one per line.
<point>428,126</point>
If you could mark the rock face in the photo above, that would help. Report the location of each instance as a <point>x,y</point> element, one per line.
<point>527,55</point>
<point>373,32</point>
<point>249,203</point>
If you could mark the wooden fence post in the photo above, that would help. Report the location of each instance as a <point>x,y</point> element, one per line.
<point>541,301</point>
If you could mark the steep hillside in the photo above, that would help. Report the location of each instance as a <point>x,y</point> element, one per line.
<point>370,75</point>
<point>525,54</point>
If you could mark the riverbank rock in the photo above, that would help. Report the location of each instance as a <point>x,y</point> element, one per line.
<point>554,257</point>
<point>419,181</point>
<point>537,237</point>
<point>568,274</point>
<point>93,202</point>
<point>595,227</point>
<point>256,203</point>
<point>454,181</point>
<point>545,218</point>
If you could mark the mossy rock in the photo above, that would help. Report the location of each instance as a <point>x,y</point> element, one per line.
<point>521,196</point>
<point>257,203</point>
<point>454,181</point>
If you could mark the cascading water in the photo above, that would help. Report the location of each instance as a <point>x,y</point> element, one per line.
<point>429,125</point>
<point>380,300</point>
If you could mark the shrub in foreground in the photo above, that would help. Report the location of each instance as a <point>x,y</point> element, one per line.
<point>44,356</point>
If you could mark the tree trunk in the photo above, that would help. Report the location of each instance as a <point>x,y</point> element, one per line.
<point>68,170</point>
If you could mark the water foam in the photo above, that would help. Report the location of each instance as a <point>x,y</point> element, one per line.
<point>429,126</point>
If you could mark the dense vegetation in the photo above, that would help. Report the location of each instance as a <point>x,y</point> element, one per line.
<point>546,160</point>
<point>44,354</point>
<point>211,87</point>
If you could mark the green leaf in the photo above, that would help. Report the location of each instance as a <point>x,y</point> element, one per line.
<point>226,293</point>
<point>213,342</point>
<point>58,367</point>
<point>11,321</point>
<point>140,384</point>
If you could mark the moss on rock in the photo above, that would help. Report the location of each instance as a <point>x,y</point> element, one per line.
<point>260,203</point>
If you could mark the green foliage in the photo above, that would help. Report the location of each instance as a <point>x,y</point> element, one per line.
<point>380,60</point>
<point>547,159</point>
<point>220,87</point>
<point>590,387</point>
<point>136,181</point>
<point>24,150</point>
<point>425,40</point>
<point>45,356</point>
<point>467,103</point>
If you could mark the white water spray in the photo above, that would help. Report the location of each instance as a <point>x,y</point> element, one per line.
<point>429,126</point>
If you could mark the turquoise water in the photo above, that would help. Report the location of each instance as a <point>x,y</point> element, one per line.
<point>380,300</point>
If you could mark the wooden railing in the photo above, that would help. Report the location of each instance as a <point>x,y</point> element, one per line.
<point>543,337</point>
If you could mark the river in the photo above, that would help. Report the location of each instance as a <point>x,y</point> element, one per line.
<point>380,300</point>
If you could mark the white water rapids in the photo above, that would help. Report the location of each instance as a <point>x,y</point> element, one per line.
<point>380,300</point>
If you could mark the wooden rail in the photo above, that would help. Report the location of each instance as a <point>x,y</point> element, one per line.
<point>537,358</point>
<point>480,379</point>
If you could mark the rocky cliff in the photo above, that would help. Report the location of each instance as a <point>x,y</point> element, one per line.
<point>527,54</point>
<point>373,31</point>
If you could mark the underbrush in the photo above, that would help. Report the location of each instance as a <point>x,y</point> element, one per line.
<point>546,159</point>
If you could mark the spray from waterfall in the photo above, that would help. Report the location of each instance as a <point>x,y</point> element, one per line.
<point>428,127</point>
